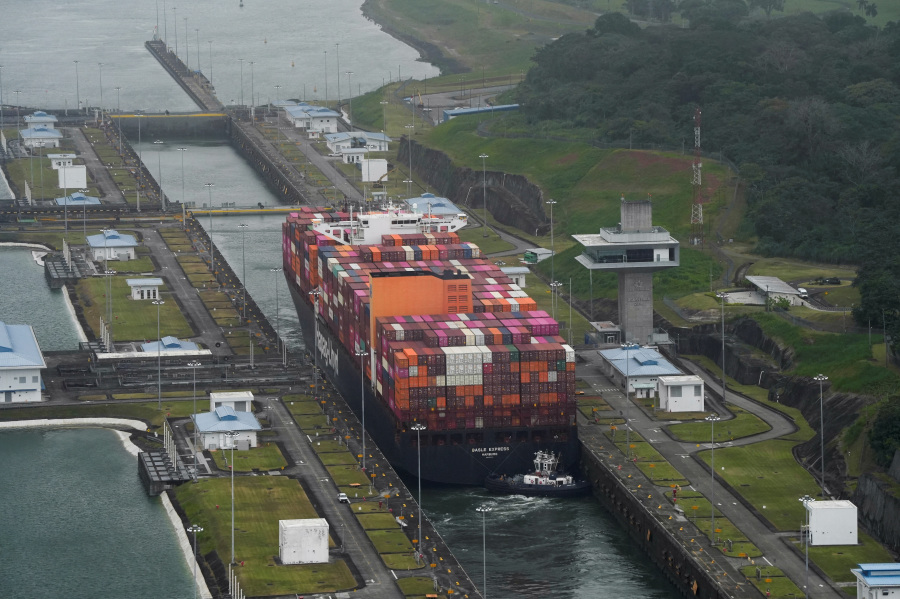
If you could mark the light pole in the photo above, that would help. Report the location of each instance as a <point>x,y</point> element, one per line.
<point>243,228</point>
<point>194,364</point>
<point>198,48</point>
<point>212,249</point>
<point>182,150</point>
<point>194,529</point>
<point>231,435</point>
<point>821,378</point>
<point>210,62</point>
<point>140,161</point>
<point>315,293</point>
<point>419,427</point>
<point>278,344</point>
<point>1,95</point>
<point>162,196</point>
<point>350,99</point>
<point>552,252</point>
<point>175,27</point>
<point>277,92</point>
<point>83,213</point>
<point>383,116</point>
<point>411,129</point>
<point>805,500</point>
<point>119,119</point>
<point>326,76</point>
<point>77,89</point>
<point>252,89</point>
<point>555,285</point>
<point>100,66</point>
<point>158,303</point>
<point>722,297</point>
<point>484,511</point>
<point>337,53</point>
<point>362,400</point>
<point>187,47</point>
<point>712,419</point>
<point>484,192</point>
<point>241,60</point>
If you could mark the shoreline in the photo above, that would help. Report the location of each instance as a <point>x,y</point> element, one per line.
<point>184,543</point>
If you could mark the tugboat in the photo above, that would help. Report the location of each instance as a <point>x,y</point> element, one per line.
<point>545,481</point>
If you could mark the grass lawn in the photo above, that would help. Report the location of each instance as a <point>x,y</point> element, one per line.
<point>345,475</point>
<point>147,412</point>
<point>769,477</point>
<point>132,320</point>
<point>265,457</point>
<point>310,423</point>
<point>744,424</point>
<point>390,540</point>
<point>138,265</point>
<point>773,581</point>
<point>260,502</point>
<point>490,244</point>
<point>416,586</point>
<point>836,561</point>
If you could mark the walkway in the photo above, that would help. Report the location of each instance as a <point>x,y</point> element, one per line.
<point>106,187</point>
<point>684,457</point>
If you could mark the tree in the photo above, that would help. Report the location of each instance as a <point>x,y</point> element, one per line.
<point>767,6</point>
<point>884,438</point>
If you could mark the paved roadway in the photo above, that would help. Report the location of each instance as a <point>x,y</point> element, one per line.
<point>776,547</point>
<point>107,188</point>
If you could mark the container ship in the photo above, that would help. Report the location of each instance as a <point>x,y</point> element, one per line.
<point>460,374</point>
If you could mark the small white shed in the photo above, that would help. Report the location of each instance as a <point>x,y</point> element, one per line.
<point>239,401</point>
<point>144,289</point>
<point>681,393</point>
<point>374,169</point>
<point>303,541</point>
<point>72,177</point>
<point>832,522</point>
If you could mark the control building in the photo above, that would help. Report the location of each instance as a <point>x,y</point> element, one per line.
<point>635,249</point>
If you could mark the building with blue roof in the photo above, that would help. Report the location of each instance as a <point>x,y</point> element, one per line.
<point>21,362</point>
<point>361,140</point>
<point>112,245</point>
<point>636,367</point>
<point>212,427</point>
<point>41,119</point>
<point>877,580</point>
<point>144,289</point>
<point>169,344</point>
<point>77,199</point>
<point>428,202</point>
<point>315,119</point>
<point>45,137</point>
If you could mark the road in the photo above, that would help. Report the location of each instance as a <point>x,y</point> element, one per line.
<point>776,547</point>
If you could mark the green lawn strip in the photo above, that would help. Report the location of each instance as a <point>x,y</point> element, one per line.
<point>265,457</point>
<point>837,560</point>
<point>189,259</point>
<point>346,475</point>
<point>337,458</point>
<point>377,520</point>
<point>768,477</point>
<point>138,265</point>
<point>302,405</point>
<point>260,502</point>
<point>401,561</point>
<point>744,424</point>
<point>147,412</point>
<point>194,268</point>
<point>132,320</point>
<point>773,581</point>
<point>201,279</point>
<point>139,395</point>
<point>417,587</point>
<point>92,397</point>
<point>328,446</point>
<point>491,244</point>
<point>662,473</point>
<point>391,540</point>
<point>697,509</point>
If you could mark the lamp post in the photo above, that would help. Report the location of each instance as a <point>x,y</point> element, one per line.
<point>194,529</point>
<point>241,60</point>
<point>231,435</point>
<point>315,293</point>
<point>252,88</point>
<point>805,500</point>
<point>419,427</point>
<point>277,93</point>
<point>350,99</point>
<point>83,213</point>
<point>712,419</point>
<point>212,249</point>
<point>821,378</point>
<point>326,76</point>
<point>175,27</point>
<point>198,48</point>
<point>1,95</point>
<point>484,510</point>
<point>210,62</point>
<point>119,120</point>
<point>187,47</point>
<point>722,297</point>
<point>411,129</point>
<point>182,150</point>
<point>194,364</point>
<point>362,400</point>
<point>100,66</point>
<point>140,161</point>
<point>337,53</point>
<point>77,89</point>
<point>484,192</point>
<point>555,285</point>
<point>162,196</point>
<point>278,344</point>
<point>243,228</point>
<point>552,251</point>
<point>158,303</point>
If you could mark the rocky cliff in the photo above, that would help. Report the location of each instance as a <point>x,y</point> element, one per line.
<point>511,199</point>
<point>879,507</point>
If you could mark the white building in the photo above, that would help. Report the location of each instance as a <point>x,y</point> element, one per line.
<point>58,160</point>
<point>374,170</point>
<point>212,427</point>
<point>111,245</point>
<point>516,273</point>
<point>638,367</point>
<point>315,119</point>
<point>21,362</point>
<point>775,289</point>
<point>44,137</point>
<point>72,177</point>
<point>681,393</point>
<point>832,522</point>
<point>354,156</point>
<point>364,140</point>
<point>144,289</point>
<point>303,541</point>
<point>239,401</point>
<point>877,580</point>
<point>41,119</point>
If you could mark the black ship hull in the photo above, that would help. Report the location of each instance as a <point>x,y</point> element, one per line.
<point>447,456</point>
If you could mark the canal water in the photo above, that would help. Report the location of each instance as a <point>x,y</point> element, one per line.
<point>535,547</point>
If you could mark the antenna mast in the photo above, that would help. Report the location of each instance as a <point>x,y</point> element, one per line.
<point>696,181</point>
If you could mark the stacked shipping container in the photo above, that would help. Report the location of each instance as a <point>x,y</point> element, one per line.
<point>503,365</point>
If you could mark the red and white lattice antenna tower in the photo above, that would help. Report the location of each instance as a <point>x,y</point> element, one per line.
<point>696,181</point>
